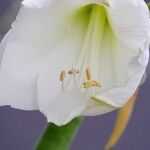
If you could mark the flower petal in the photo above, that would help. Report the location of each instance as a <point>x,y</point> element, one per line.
<point>23,49</point>
<point>117,96</point>
<point>37,3</point>
<point>34,34</point>
<point>59,107</point>
<point>130,22</point>
<point>132,35</point>
<point>87,2</point>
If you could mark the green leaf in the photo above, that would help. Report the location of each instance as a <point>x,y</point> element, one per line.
<point>58,138</point>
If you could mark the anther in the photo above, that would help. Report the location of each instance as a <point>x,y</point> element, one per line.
<point>77,71</point>
<point>62,75</point>
<point>70,72</point>
<point>88,74</point>
<point>73,71</point>
<point>90,83</point>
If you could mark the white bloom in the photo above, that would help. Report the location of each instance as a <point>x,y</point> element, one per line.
<point>70,58</point>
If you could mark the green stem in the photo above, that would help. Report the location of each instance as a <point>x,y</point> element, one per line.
<point>58,138</point>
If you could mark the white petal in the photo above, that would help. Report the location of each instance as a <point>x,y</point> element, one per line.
<point>17,77</point>
<point>10,87</point>
<point>23,49</point>
<point>116,97</point>
<point>33,36</point>
<point>47,3</point>
<point>87,2</point>
<point>2,47</point>
<point>130,22</point>
<point>59,107</point>
<point>36,3</point>
<point>97,107</point>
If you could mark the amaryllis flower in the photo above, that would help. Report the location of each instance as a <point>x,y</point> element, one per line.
<point>72,58</point>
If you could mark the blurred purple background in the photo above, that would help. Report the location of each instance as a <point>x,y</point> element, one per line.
<point>19,130</point>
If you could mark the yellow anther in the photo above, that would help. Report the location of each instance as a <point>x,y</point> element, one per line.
<point>88,74</point>
<point>62,75</point>
<point>90,83</point>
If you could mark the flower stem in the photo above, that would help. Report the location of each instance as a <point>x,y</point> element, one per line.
<point>58,138</point>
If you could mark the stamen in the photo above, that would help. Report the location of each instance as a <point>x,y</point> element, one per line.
<point>90,83</point>
<point>73,72</point>
<point>62,75</point>
<point>62,78</point>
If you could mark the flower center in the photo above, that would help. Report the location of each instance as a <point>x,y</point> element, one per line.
<point>88,84</point>
<point>95,55</point>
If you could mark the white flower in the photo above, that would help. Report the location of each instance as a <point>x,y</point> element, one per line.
<point>70,58</point>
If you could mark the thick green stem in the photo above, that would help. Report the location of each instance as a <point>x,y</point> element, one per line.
<point>58,138</point>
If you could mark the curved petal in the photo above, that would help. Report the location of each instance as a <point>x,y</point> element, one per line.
<point>27,47</point>
<point>23,49</point>
<point>2,46</point>
<point>87,2</point>
<point>120,62</point>
<point>130,22</point>
<point>59,103</point>
<point>37,3</point>
<point>132,34</point>
<point>46,3</point>
<point>116,97</point>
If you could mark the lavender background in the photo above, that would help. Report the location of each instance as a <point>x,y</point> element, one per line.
<point>19,130</point>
